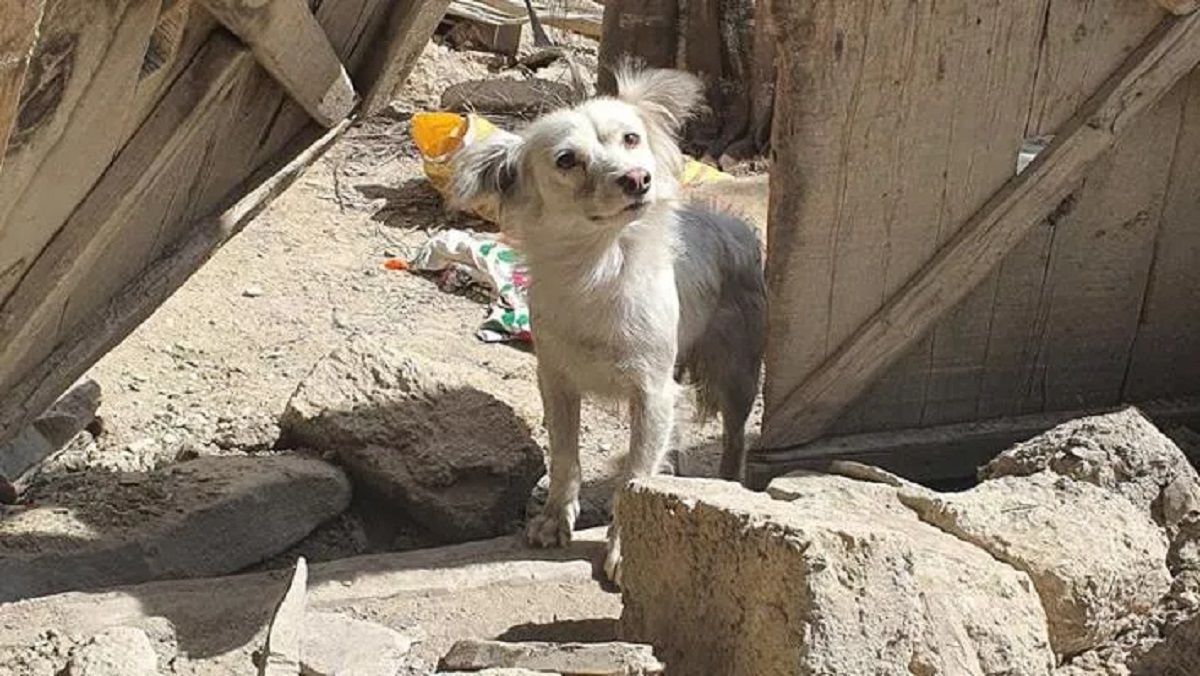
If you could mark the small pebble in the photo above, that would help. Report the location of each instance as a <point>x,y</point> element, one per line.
<point>252,292</point>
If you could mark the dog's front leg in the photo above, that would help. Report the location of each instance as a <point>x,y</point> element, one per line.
<point>651,418</point>
<point>560,403</point>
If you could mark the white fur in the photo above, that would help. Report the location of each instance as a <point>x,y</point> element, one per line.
<point>603,297</point>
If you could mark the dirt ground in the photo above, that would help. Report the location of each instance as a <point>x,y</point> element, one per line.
<point>211,371</point>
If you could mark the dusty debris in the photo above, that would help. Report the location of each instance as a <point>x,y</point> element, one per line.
<point>457,461</point>
<point>337,645</point>
<point>1123,452</point>
<point>1093,556</point>
<point>210,516</point>
<point>529,97</point>
<point>842,579</point>
<point>1177,655</point>
<point>568,659</point>
<point>281,655</point>
<point>120,651</point>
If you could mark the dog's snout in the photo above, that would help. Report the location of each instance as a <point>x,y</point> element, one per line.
<point>635,182</point>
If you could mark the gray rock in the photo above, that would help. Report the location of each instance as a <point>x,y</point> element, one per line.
<point>532,96</point>
<point>210,516</point>
<point>841,580</point>
<point>121,651</point>
<point>1177,655</point>
<point>1122,452</point>
<point>51,431</point>
<point>336,645</point>
<point>1094,557</point>
<point>415,433</point>
<point>568,659</point>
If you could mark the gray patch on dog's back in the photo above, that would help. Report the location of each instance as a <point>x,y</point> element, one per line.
<point>722,323</point>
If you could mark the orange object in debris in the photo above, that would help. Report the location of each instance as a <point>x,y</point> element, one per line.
<point>396,264</point>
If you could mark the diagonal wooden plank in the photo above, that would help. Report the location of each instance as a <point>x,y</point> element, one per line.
<point>806,412</point>
<point>19,23</point>
<point>408,30</point>
<point>288,41</point>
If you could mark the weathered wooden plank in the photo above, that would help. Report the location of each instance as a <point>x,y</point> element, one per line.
<point>897,141</point>
<point>1165,354</point>
<point>287,40</point>
<point>29,320</point>
<point>647,29</point>
<point>19,23</point>
<point>946,455</point>
<point>107,325</point>
<point>82,76</point>
<point>1099,266</point>
<point>805,411</point>
<point>408,30</point>
<point>1084,43</point>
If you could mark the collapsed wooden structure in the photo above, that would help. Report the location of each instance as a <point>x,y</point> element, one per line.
<point>928,302</point>
<point>141,134</point>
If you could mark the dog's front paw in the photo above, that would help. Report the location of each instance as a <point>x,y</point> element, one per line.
<point>553,527</point>
<point>612,560</point>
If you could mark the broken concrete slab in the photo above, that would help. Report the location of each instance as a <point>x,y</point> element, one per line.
<point>209,516</point>
<point>1094,557</point>
<point>841,580</point>
<point>482,589</point>
<point>51,431</point>
<point>281,655</point>
<point>1122,452</point>
<point>414,433</point>
<point>120,651</point>
<point>338,645</point>
<point>568,659</point>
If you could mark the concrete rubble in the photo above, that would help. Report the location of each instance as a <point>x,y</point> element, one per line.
<point>209,516</point>
<point>568,659</point>
<point>457,461</point>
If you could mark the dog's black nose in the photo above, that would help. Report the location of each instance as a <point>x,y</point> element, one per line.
<point>635,182</point>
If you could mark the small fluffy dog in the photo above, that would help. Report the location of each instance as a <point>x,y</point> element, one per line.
<point>632,289</point>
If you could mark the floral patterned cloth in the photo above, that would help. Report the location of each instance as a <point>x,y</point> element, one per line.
<point>466,260</point>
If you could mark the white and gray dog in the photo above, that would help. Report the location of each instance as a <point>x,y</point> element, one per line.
<point>632,287</point>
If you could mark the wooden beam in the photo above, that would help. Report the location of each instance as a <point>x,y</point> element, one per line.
<point>140,298</point>
<point>19,24</point>
<point>807,411</point>
<point>408,30</point>
<point>289,43</point>
<point>944,456</point>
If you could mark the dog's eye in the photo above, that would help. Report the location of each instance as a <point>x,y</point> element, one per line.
<point>632,140</point>
<point>566,160</point>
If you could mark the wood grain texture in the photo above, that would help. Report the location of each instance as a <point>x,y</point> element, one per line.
<point>289,43</point>
<point>19,22</point>
<point>1179,6</point>
<point>75,104</point>
<point>409,27</point>
<point>894,122</point>
<point>647,29</point>
<point>805,411</point>
<point>154,225</point>
<point>1165,352</point>
<point>1099,266</point>
<point>29,320</point>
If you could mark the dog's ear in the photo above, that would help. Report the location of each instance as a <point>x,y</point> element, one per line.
<point>485,170</point>
<point>672,97</point>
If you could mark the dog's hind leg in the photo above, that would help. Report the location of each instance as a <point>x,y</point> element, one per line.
<point>560,402</point>
<point>651,418</point>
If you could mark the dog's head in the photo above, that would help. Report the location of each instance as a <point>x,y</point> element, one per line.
<point>598,165</point>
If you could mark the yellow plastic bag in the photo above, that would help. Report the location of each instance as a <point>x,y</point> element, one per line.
<point>439,135</point>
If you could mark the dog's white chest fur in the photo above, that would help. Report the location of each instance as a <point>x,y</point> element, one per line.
<point>605,312</point>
